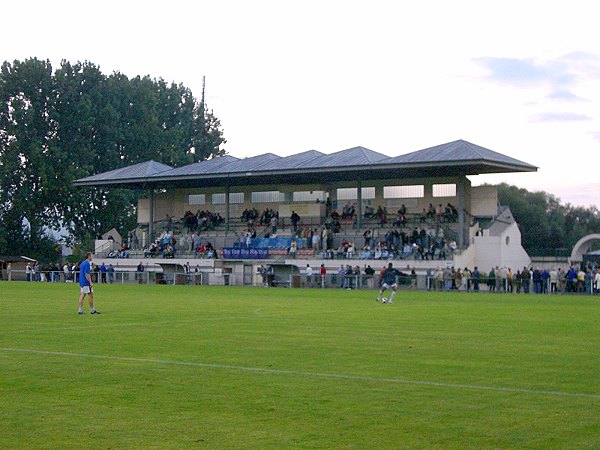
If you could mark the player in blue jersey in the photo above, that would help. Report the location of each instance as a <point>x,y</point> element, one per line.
<point>388,280</point>
<point>85,284</point>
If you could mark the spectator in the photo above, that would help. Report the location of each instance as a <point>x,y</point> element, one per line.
<point>309,275</point>
<point>111,272</point>
<point>103,271</point>
<point>294,219</point>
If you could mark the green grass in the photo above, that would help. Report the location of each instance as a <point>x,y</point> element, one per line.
<point>283,368</point>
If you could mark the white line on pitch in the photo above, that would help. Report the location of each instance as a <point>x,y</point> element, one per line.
<point>311,374</point>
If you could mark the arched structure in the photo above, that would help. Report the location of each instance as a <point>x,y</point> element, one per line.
<point>583,246</point>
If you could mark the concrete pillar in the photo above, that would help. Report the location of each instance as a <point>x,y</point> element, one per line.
<point>227,211</point>
<point>151,219</point>
<point>359,206</point>
<point>460,194</point>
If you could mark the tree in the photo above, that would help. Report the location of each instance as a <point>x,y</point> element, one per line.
<point>61,126</point>
<point>546,224</point>
<point>27,153</point>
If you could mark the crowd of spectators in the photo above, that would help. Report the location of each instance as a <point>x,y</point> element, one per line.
<point>529,279</point>
<point>168,247</point>
<point>201,221</point>
<point>165,247</point>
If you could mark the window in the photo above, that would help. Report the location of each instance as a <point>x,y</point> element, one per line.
<point>236,197</point>
<point>414,191</point>
<point>368,193</point>
<point>347,194</point>
<point>308,196</point>
<point>197,199</point>
<point>444,190</point>
<point>268,197</point>
<point>218,199</point>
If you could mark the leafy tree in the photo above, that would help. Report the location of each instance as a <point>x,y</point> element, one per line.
<point>27,153</point>
<point>547,225</point>
<point>59,126</point>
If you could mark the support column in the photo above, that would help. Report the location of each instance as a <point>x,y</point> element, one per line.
<point>151,219</point>
<point>359,206</point>
<point>460,193</point>
<point>227,212</point>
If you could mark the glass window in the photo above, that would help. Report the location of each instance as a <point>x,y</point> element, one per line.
<point>414,191</point>
<point>268,197</point>
<point>197,199</point>
<point>236,197</point>
<point>368,193</point>
<point>218,199</point>
<point>444,190</point>
<point>308,196</point>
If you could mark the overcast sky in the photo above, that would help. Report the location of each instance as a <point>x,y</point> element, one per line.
<point>518,77</point>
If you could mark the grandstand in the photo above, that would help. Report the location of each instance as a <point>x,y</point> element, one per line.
<point>338,196</point>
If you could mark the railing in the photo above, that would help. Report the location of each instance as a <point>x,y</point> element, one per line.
<point>116,277</point>
<point>316,281</point>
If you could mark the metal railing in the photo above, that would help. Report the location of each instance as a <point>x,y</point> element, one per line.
<point>116,277</point>
<point>348,281</point>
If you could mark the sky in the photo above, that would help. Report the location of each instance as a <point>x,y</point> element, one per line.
<point>518,77</point>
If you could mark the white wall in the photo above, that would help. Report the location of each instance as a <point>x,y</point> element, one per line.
<point>484,201</point>
<point>502,250</point>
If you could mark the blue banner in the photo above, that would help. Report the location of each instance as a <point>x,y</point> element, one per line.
<point>245,253</point>
<point>275,242</point>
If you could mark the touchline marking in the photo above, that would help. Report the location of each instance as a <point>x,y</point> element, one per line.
<point>309,374</point>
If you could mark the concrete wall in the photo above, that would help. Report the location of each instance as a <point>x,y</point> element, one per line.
<point>484,201</point>
<point>143,210</point>
<point>500,250</point>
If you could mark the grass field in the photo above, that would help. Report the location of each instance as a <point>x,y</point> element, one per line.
<point>210,367</point>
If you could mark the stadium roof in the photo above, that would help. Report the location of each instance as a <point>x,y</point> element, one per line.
<point>451,159</point>
<point>139,171</point>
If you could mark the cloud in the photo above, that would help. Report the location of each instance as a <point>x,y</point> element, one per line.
<point>596,135</point>
<point>566,95</point>
<point>526,72</point>
<point>559,117</point>
<point>512,70</point>
<point>559,75</point>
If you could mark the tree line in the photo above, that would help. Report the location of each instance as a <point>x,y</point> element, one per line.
<point>59,125</point>
<point>548,227</point>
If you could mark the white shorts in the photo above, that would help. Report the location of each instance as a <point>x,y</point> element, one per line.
<point>87,290</point>
<point>387,286</point>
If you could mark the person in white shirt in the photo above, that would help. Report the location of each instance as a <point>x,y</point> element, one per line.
<point>553,281</point>
<point>309,274</point>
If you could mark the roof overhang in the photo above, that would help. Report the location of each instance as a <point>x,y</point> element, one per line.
<point>316,175</point>
<point>453,159</point>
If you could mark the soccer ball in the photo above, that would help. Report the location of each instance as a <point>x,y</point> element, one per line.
<point>384,300</point>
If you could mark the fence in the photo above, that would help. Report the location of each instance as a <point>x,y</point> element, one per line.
<point>316,281</point>
<point>116,277</point>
